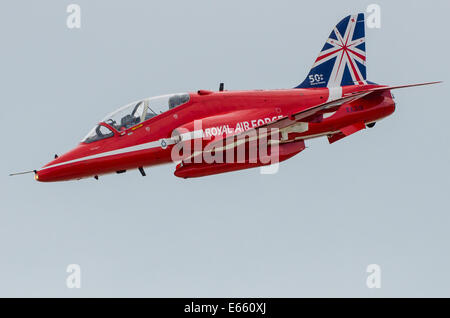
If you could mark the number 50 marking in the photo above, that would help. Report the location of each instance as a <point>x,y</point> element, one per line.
<point>315,79</point>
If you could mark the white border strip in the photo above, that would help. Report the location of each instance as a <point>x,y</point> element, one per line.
<point>148,145</point>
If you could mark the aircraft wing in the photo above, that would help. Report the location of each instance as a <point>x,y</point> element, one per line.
<point>309,113</point>
<point>302,116</point>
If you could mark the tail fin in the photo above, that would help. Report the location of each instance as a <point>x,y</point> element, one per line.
<point>342,60</point>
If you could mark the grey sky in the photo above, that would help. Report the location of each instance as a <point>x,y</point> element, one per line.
<point>380,196</point>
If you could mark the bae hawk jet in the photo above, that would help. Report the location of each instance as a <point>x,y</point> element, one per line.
<point>334,101</point>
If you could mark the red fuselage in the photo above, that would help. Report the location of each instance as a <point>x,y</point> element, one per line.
<point>144,144</point>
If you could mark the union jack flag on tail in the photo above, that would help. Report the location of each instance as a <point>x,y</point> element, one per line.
<point>342,60</point>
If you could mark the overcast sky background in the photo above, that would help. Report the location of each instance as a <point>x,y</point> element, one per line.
<point>380,196</point>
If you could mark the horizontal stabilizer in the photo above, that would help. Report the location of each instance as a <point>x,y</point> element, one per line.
<point>408,85</point>
<point>352,128</point>
<point>308,114</point>
<point>385,88</point>
<point>346,131</point>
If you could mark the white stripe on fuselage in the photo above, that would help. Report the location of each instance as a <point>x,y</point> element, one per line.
<point>157,143</point>
<point>148,145</point>
<point>334,93</point>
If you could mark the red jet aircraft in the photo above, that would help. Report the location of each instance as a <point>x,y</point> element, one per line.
<point>335,100</point>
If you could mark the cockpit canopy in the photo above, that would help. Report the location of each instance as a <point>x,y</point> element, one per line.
<point>134,113</point>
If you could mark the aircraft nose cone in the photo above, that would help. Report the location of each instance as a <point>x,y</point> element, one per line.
<point>43,175</point>
<point>47,173</point>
